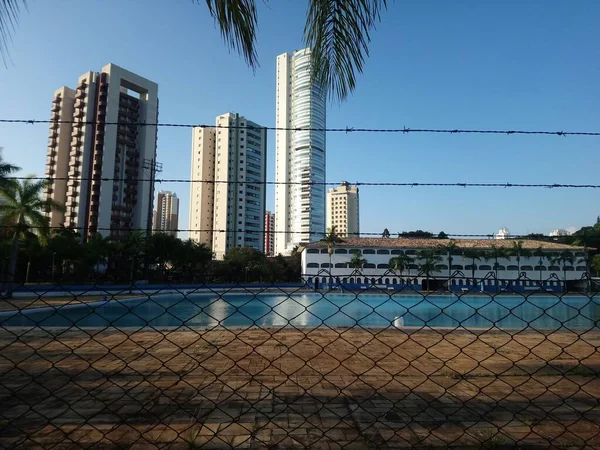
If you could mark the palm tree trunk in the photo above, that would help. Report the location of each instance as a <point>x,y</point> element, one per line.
<point>28,269</point>
<point>12,266</point>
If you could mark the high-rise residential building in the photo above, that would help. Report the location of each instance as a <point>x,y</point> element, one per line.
<point>166,216</point>
<point>559,232</point>
<point>343,210</point>
<point>202,188</point>
<point>229,173</point>
<point>300,154</point>
<point>104,172</point>
<point>503,233</point>
<point>269,233</point>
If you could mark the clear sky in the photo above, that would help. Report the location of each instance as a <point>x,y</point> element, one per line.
<point>433,64</point>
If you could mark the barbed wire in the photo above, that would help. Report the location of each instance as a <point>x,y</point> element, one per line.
<point>393,235</point>
<point>319,183</point>
<point>403,130</point>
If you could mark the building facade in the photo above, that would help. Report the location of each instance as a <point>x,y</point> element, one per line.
<point>269,233</point>
<point>103,172</point>
<point>232,160</point>
<point>343,210</point>
<point>166,216</point>
<point>299,154</point>
<point>202,188</point>
<point>503,233</point>
<point>462,273</point>
<point>559,232</point>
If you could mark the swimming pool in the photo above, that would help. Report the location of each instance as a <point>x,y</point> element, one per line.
<point>312,309</point>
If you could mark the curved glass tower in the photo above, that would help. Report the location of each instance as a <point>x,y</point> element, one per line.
<point>300,154</point>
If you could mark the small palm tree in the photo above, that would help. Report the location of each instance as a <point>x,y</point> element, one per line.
<point>357,262</point>
<point>473,255</point>
<point>400,263</point>
<point>518,251</point>
<point>22,209</point>
<point>428,263</point>
<point>495,253</point>
<point>449,248</point>
<point>331,238</point>
<point>563,258</point>
<point>541,254</point>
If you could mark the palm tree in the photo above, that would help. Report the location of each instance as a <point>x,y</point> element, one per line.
<point>357,262</point>
<point>473,255</point>
<point>6,169</point>
<point>428,264</point>
<point>518,251</point>
<point>400,263</point>
<point>495,253</point>
<point>331,238</point>
<point>449,248</point>
<point>541,255</point>
<point>563,257</point>
<point>23,209</point>
<point>385,234</point>
<point>337,31</point>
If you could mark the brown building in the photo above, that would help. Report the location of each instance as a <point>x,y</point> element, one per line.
<point>101,171</point>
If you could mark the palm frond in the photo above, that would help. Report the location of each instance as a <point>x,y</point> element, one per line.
<point>9,16</point>
<point>338,33</point>
<point>237,20</point>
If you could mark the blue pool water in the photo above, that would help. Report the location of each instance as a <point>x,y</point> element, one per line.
<point>309,310</point>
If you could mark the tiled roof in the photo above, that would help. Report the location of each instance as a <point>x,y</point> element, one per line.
<point>415,243</point>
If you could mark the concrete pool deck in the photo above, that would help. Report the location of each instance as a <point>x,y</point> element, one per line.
<point>286,388</point>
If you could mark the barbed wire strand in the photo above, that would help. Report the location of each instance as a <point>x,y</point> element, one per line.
<point>319,183</point>
<point>403,130</point>
<point>393,235</point>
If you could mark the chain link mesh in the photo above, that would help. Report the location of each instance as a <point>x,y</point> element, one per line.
<point>288,366</point>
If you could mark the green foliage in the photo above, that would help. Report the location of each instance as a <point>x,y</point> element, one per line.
<point>595,264</point>
<point>385,234</point>
<point>416,234</point>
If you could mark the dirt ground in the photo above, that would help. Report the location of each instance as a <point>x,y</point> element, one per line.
<point>311,388</point>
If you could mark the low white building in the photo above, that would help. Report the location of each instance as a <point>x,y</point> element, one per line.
<point>469,267</point>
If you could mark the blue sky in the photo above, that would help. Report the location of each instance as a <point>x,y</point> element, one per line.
<point>433,64</point>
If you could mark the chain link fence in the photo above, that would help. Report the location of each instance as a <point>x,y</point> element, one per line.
<point>265,365</point>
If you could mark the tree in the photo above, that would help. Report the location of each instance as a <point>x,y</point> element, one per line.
<point>416,234</point>
<point>244,261</point>
<point>400,263</point>
<point>563,258</point>
<point>386,233</point>
<point>428,262</point>
<point>595,264</point>
<point>331,238</point>
<point>474,255</point>
<point>541,254</point>
<point>442,235</point>
<point>449,248</point>
<point>6,169</point>
<point>495,253</point>
<point>23,209</point>
<point>337,31</point>
<point>518,251</point>
<point>357,262</point>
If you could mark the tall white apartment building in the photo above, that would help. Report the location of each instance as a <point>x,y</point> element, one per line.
<point>343,210</point>
<point>103,171</point>
<point>202,188</point>
<point>232,159</point>
<point>300,155</point>
<point>166,216</point>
